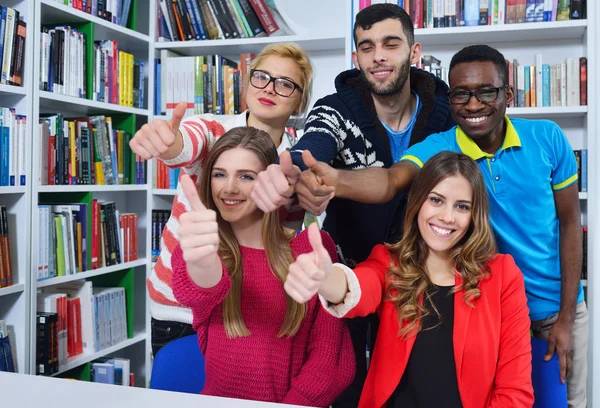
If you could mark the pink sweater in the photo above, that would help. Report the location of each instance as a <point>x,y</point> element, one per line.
<point>311,368</point>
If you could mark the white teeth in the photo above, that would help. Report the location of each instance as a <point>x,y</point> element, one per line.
<point>230,202</point>
<point>381,73</point>
<point>442,231</point>
<point>476,120</point>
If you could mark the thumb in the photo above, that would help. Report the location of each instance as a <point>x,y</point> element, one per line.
<point>178,114</point>
<point>285,162</point>
<point>308,159</point>
<point>316,242</point>
<point>191,193</point>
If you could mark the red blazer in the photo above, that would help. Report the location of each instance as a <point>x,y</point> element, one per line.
<point>492,345</point>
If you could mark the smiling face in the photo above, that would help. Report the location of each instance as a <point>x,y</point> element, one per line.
<point>479,120</point>
<point>264,103</point>
<point>384,56</point>
<point>232,178</point>
<point>445,216</point>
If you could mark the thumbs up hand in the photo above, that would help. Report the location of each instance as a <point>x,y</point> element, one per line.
<point>310,270</point>
<point>160,138</point>
<point>275,185</point>
<point>198,233</point>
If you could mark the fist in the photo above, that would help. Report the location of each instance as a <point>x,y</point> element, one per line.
<point>198,231</point>
<point>310,270</point>
<point>155,139</point>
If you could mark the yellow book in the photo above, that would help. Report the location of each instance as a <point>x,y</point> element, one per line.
<point>60,246</point>
<point>72,152</point>
<point>98,157</point>
<point>121,78</point>
<point>130,72</point>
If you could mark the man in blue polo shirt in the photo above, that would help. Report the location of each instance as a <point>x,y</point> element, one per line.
<point>531,175</point>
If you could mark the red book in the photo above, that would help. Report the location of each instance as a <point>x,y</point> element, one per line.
<point>264,16</point>
<point>583,81</point>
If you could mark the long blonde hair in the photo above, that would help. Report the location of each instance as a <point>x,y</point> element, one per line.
<point>294,52</point>
<point>408,282</point>
<point>275,239</point>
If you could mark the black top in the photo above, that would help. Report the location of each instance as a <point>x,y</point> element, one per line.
<point>430,376</point>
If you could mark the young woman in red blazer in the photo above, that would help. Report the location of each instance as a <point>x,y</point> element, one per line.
<point>454,328</point>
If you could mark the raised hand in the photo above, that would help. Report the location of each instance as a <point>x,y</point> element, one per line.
<point>316,186</point>
<point>160,138</point>
<point>198,232</point>
<point>310,270</point>
<point>275,185</point>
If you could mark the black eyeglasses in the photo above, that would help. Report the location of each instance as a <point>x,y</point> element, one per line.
<point>283,87</point>
<point>486,95</point>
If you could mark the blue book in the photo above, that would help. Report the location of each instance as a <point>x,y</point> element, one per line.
<point>2,32</point>
<point>103,373</point>
<point>546,85</point>
<point>584,170</point>
<point>471,12</point>
<point>5,147</point>
<point>530,11</point>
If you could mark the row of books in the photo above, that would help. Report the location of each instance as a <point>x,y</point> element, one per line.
<point>165,177</point>
<point>542,85</point>
<point>581,156</point>
<point>115,11</point>
<point>67,244</point>
<point>539,85</point>
<point>117,77</point>
<point>87,151</point>
<point>13,30</point>
<point>76,318</point>
<point>159,220</point>
<point>7,361</point>
<point>209,84</point>
<point>13,140</point>
<point>456,13</point>
<point>184,20</point>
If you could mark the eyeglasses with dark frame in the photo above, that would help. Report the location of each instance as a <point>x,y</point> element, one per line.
<point>283,86</point>
<point>486,95</point>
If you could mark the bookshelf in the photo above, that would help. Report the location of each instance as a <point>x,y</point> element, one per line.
<point>128,198</point>
<point>14,300</point>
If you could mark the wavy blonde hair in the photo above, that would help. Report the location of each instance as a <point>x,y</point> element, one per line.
<point>275,239</point>
<point>294,52</point>
<point>408,282</point>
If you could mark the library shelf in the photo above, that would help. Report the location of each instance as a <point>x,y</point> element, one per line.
<point>15,288</point>
<point>88,274</point>
<point>87,357</point>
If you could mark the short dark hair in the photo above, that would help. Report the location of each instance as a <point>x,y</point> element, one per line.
<point>382,11</point>
<point>481,53</point>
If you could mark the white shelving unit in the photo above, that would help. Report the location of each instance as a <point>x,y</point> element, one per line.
<point>128,198</point>
<point>14,300</point>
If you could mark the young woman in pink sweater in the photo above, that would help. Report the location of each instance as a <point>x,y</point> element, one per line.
<point>229,269</point>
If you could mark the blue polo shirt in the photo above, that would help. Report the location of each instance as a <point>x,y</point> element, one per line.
<point>521,177</point>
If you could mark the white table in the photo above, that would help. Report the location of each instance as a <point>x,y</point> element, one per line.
<point>17,390</point>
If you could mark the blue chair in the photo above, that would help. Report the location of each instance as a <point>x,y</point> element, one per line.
<point>179,366</point>
<point>549,392</point>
